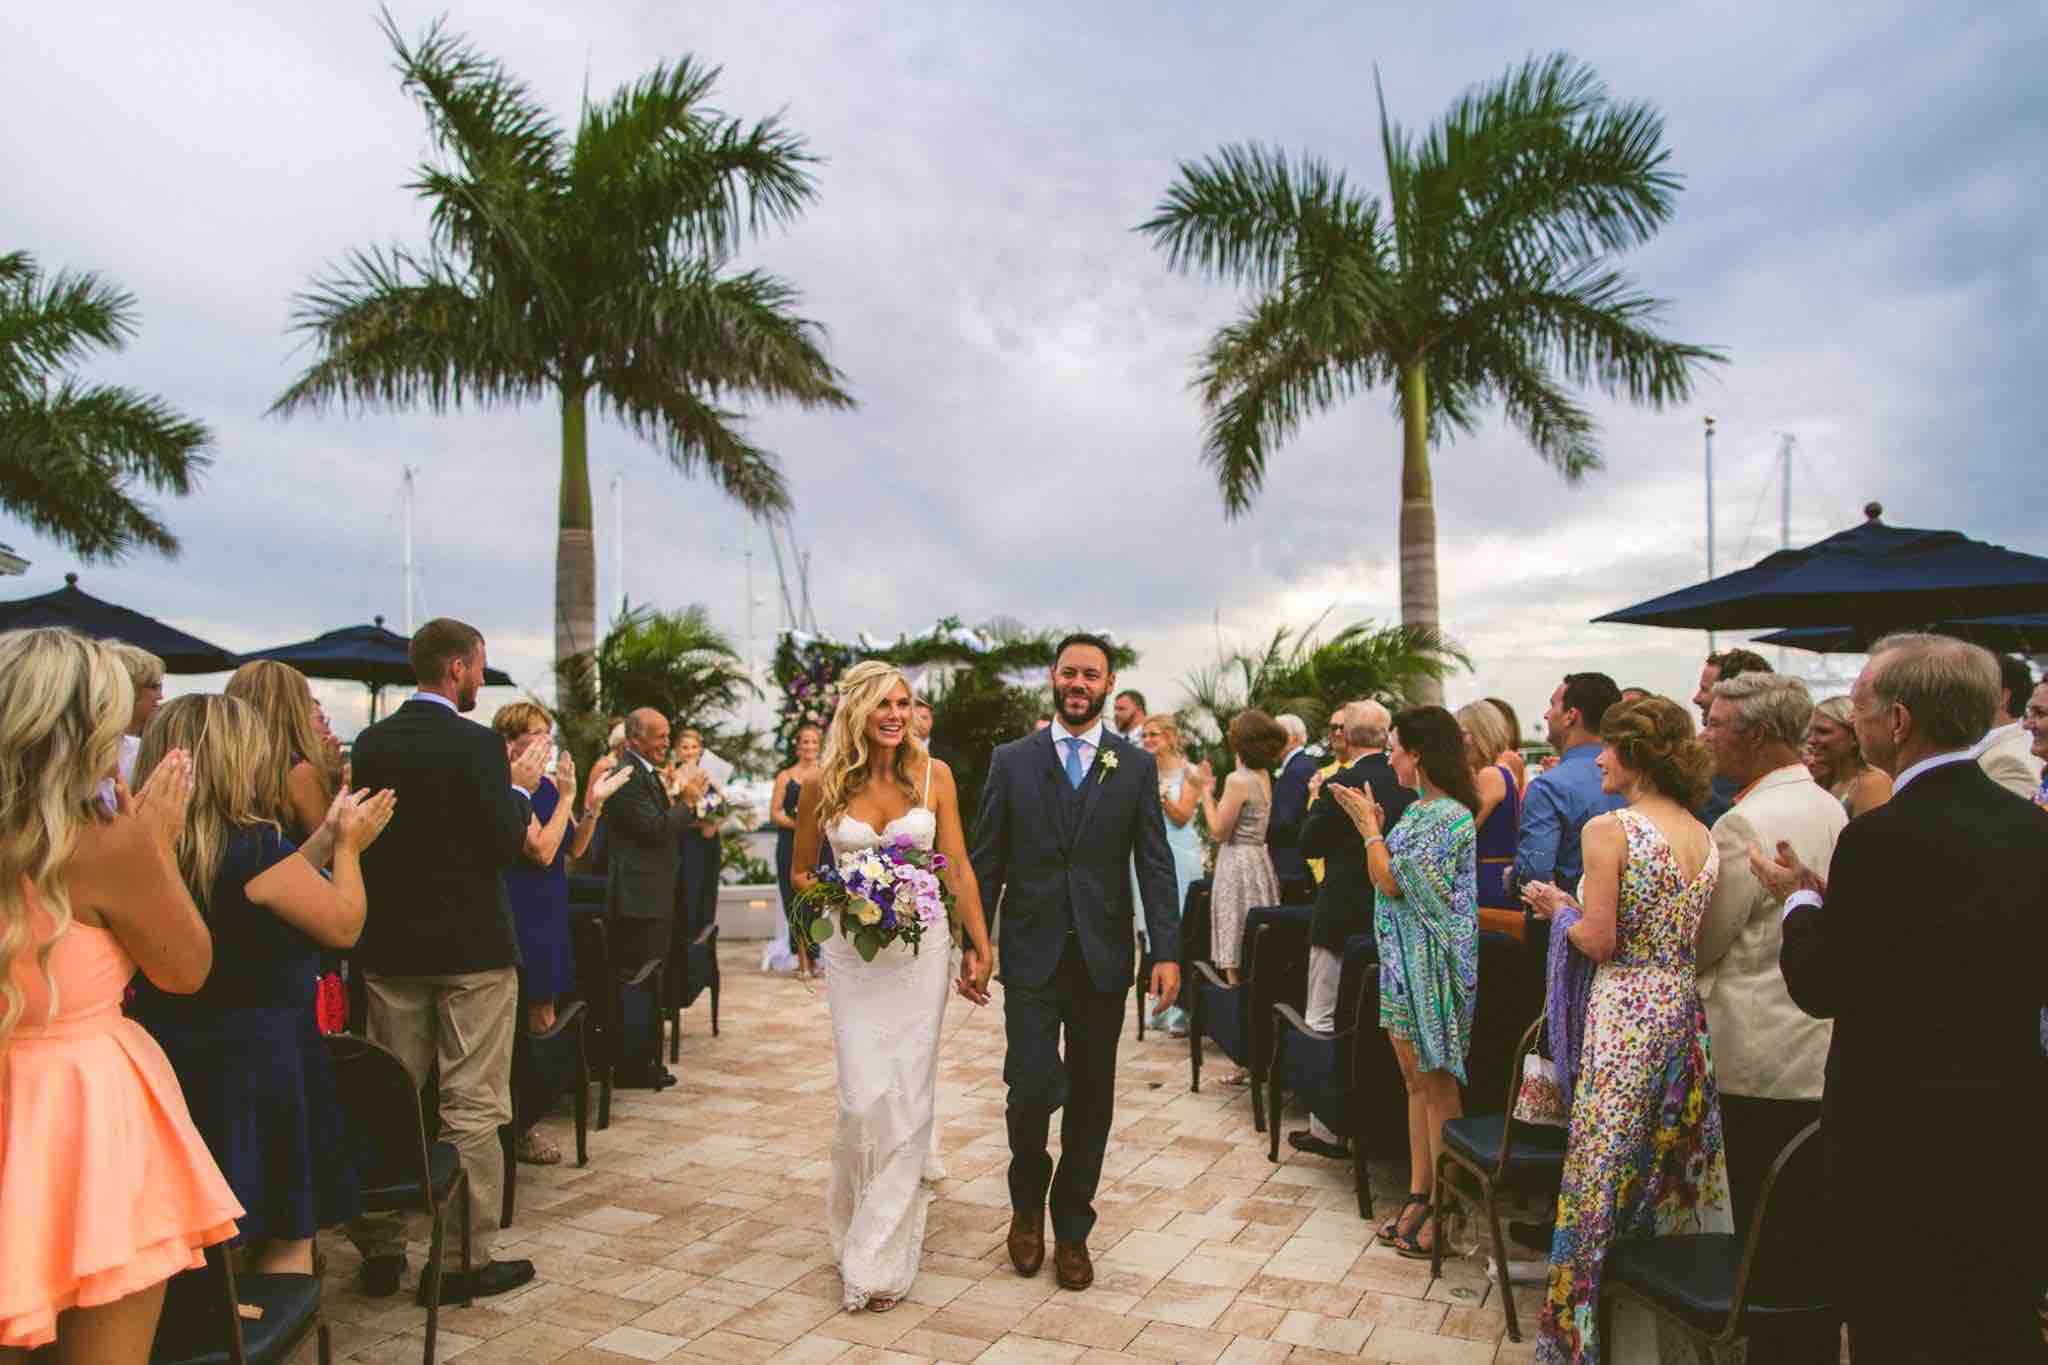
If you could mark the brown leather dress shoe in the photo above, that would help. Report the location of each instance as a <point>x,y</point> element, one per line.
<point>1027,1242</point>
<point>1071,1266</point>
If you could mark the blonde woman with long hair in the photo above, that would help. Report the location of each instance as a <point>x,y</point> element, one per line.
<point>106,1190</point>
<point>876,782</point>
<point>299,741</point>
<point>245,1045</point>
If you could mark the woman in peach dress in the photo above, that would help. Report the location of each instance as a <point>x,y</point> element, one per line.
<point>106,1190</point>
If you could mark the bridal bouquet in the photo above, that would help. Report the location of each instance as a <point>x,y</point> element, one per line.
<point>876,897</point>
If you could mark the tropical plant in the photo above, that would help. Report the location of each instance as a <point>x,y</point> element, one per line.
<point>1311,675</point>
<point>974,710</point>
<point>1483,277</point>
<point>71,452</point>
<point>674,661</point>
<point>580,269</point>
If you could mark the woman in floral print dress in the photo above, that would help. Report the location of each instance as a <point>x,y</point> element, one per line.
<point>1644,1155</point>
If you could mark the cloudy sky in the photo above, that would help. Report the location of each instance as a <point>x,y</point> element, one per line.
<point>1861,230</point>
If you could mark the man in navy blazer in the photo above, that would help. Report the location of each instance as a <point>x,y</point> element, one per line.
<point>1290,801</point>
<point>1067,813</point>
<point>1924,940</point>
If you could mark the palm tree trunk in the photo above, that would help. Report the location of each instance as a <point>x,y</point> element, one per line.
<point>1418,519</point>
<point>575,556</point>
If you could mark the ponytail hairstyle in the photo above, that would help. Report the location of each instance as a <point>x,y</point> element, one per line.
<point>844,770</point>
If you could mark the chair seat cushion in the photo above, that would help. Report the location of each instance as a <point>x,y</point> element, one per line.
<point>1694,1277</point>
<point>444,1163</point>
<point>192,1329</point>
<point>1478,1140</point>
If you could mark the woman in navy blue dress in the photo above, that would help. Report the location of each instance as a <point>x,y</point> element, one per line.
<point>539,892</point>
<point>810,742</point>
<point>245,1045</point>
<point>700,854</point>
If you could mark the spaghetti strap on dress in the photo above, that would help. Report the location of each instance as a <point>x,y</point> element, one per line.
<point>105,1186</point>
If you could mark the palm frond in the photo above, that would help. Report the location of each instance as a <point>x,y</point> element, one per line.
<point>677,662</point>
<point>1245,213</point>
<point>734,335</point>
<point>394,331</point>
<point>698,437</point>
<point>71,456</point>
<point>48,323</point>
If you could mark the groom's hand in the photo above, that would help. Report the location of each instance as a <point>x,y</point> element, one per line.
<point>1165,983</point>
<point>974,974</point>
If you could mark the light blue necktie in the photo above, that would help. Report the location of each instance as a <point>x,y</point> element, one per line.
<point>1074,773</point>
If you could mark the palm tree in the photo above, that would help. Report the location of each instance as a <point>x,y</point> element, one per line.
<point>580,269</point>
<point>1312,675</point>
<point>677,662</point>
<point>71,453</point>
<point>1482,278</point>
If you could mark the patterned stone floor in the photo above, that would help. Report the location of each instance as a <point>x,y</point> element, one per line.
<point>695,1233</point>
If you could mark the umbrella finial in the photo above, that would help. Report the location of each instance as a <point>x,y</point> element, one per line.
<point>71,580</point>
<point>1873,510</point>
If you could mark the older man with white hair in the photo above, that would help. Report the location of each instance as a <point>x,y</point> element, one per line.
<point>1923,940</point>
<point>1770,1056</point>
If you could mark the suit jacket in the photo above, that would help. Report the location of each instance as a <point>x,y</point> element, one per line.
<point>1344,900</point>
<point>434,879</point>
<point>641,826</point>
<point>1928,954</point>
<point>2007,757</point>
<point>1765,1046</point>
<point>1059,859</point>
<point>1290,808</point>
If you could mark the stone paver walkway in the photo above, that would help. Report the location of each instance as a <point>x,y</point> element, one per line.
<point>696,1231</point>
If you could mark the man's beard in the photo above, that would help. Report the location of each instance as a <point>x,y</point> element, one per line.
<point>1095,705</point>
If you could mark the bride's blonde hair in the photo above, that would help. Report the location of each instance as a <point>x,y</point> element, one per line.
<point>843,768</point>
<point>64,703</point>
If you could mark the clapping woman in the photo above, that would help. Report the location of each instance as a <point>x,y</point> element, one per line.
<point>106,1189</point>
<point>300,743</point>
<point>245,1045</point>
<point>1425,877</point>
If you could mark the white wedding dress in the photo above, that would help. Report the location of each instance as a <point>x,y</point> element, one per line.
<point>886,1017</point>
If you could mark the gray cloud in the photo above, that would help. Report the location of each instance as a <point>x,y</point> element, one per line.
<point>1860,231</point>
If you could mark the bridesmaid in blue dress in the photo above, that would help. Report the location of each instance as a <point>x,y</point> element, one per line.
<point>245,1046</point>
<point>1178,798</point>
<point>539,892</point>
<point>810,742</point>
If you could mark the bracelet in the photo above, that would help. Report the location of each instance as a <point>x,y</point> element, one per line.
<point>1376,839</point>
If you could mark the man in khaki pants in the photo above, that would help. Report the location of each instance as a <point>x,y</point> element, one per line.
<point>438,953</point>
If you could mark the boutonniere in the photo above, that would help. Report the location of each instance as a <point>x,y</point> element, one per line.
<point>1108,765</point>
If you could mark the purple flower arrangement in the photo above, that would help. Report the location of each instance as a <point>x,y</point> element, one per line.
<point>891,893</point>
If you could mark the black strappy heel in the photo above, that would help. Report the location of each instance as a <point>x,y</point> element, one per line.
<point>1391,1229</point>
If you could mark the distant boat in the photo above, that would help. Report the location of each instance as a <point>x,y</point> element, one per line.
<point>12,563</point>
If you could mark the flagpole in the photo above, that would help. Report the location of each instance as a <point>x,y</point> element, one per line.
<point>1710,519</point>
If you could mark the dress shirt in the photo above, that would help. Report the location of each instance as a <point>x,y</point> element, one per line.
<point>1091,740</point>
<point>1802,898</point>
<point>1555,810</point>
<point>434,697</point>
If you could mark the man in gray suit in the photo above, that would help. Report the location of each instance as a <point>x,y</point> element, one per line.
<point>1065,813</point>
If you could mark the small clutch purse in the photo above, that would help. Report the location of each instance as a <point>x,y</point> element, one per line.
<point>1541,1098</point>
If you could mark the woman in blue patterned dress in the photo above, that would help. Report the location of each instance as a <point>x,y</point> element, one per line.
<point>1643,1155</point>
<point>1178,798</point>
<point>1425,876</point>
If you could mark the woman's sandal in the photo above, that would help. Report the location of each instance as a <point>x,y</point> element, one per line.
<point>1238,1078</point>
<point>882,1304</point>
<point>1391,1229</point>
<point>1411,1246</point>
<point>534,1150</point>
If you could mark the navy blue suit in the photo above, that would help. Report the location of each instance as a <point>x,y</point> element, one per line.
<point>1290,809</point>
<point>1057,860</point>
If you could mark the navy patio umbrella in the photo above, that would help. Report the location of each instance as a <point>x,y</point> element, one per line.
<point>88,615</point>
<point>2027,634</point>
<point>1870,579</point>
<point>365,654</point>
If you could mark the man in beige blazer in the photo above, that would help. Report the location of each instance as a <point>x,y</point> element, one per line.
<point>2006,753</point>
<point>1770,1057</point>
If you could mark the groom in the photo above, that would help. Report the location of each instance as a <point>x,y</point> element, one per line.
<point>1065,815</point>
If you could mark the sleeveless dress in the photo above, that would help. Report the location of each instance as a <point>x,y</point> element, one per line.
<point>249,1057</point>
<point>105,1187</point>
<point>1644,1155</point>
<point>886,1017</point>
<point>1497,839</point>
<point>778,956</point>
<point>540,910</point>
<point>1244,878</point>
<point>1185,843</point>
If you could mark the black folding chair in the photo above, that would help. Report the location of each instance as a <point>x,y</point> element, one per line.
<point>202,1322</point>
<point>538,1061</point>
<point>618,999</point>
<point>692,971</point>
<point>1707,1284</point>
<point>1498,1152</point>
<point>1316,1065</point>
<point>399,1170</point>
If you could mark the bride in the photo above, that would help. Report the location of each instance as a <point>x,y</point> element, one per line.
<point>875,782</point>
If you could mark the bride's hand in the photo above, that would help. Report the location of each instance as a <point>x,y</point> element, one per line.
<point>976,965</point>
